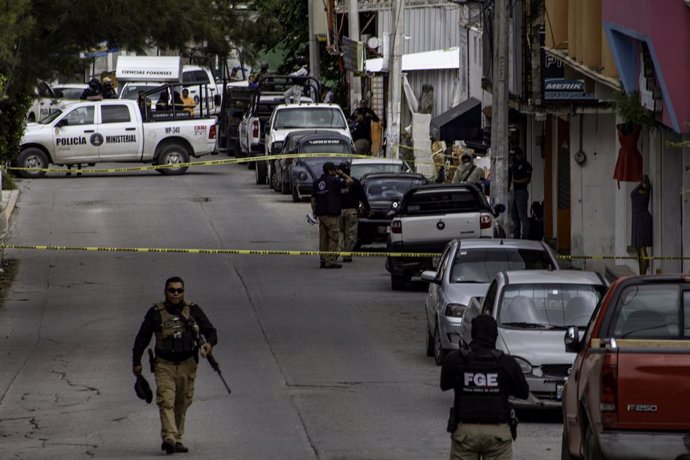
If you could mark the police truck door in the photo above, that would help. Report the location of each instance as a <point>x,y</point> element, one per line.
<point>121,133</point>
<point>74,136</point>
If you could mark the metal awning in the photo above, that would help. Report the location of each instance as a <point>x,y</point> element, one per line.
<point>462,122</point>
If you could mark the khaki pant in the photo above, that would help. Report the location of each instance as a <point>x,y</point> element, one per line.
<point>492,442</point>
<point>348,227</point>
<point>174,393</point>
<point>329,236</point>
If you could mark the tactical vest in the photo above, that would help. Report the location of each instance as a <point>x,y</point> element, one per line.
<point>174,340</point>
<point>480,398</point>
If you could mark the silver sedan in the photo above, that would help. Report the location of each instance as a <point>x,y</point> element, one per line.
<point>465,270</point>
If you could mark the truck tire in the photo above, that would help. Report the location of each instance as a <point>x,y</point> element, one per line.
<point>172,154</point>
<point>275,178</point>
<point>32,157</point>
<point>429,342</point>
<point>398,282</point>
<point>285,188</point>
<point>591,447</point>
<point>260,172</point>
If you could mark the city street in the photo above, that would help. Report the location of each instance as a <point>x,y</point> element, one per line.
<point>323,364</point>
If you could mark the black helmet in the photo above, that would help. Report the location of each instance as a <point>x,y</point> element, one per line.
<point>143,389</point>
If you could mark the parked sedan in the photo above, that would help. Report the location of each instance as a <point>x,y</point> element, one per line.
<point>532,309</point>
<point>296,175</point>
<point>362,166</point>
<point>384,192</point>
<point>465,270</point>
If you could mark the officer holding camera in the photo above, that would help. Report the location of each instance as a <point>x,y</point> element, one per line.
<point>177,326</point>
<point>482,421</point>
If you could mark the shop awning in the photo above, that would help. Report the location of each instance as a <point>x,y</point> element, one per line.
<point>462,122</point>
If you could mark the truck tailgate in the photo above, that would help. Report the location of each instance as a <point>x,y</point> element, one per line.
<point>654,384</point>
<point>443,227</point>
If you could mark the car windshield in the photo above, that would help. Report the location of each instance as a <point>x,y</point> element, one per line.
<point>304,117</point>
<point>132,92</point>
<point>325,147</point>
<point>68,93</point>
<point>652,311</point>
<point>480,265</point>
<point>51,117</point>
<point>389,188</point>
<point>434,201</point>
<point>359,170</point>
<point>548,306</point>
<point>316,164</point>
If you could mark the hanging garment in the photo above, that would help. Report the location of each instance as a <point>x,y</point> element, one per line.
<point>641,218</point>
<point>629,163</point>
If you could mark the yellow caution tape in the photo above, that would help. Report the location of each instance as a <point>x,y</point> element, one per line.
<point>278,252</point>
<point>226,161</point>
<point>244,252</point>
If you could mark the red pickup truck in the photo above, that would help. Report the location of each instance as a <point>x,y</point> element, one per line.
<point>628,392</point>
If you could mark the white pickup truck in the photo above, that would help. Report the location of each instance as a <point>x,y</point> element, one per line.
<point>112,130</point>
<point>428,218</point>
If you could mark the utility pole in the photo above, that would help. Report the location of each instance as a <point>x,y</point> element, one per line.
<point>499,112</point>
<point>314,64</point>
<point>353,33</point>
<point>395,80</point>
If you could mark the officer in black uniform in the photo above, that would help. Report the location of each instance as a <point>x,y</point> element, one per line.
<point>326,204</point>
<point>482,378</point>
<point>352,197</point>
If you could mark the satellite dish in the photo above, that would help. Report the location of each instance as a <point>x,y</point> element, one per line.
<point>373,42</point>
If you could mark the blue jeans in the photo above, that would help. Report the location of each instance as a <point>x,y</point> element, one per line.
<point>519,214</point>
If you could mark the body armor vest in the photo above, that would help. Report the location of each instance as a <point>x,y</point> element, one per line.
<point>174,340</point>
<point>480,398</point>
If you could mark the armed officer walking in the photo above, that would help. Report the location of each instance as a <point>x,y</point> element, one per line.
<point>482,378</point>
<point>179,328</point>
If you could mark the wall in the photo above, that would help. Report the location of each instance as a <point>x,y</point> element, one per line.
<point>594,196</point>
<point>429,29</point>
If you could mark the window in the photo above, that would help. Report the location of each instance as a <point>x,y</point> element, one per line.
<point>446,201</point>
<point>114,114</point>
<point>195,76</point>
<point>390,189</point>
<point>80,116</point>
<point>309,118</point>
<point>490,297</point>
<point>326,147</point>
<point>481,265</point>
<point>649,311</point>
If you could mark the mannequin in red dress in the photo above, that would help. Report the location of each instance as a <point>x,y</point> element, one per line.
<point>629,164</point>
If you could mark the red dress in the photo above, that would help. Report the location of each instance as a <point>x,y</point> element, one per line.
<point>629,163</point>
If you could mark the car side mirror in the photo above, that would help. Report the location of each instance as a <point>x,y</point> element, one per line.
<point>572,340</point>
<point>430,276</point>
<point>61,123</point>
<point>498,209</point>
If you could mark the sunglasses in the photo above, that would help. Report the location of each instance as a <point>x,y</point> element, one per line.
<point>175,291</point>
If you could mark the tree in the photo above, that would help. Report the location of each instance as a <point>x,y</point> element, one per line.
<point>40,38</point>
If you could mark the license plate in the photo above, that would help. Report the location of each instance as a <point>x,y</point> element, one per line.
<point>559,392</point>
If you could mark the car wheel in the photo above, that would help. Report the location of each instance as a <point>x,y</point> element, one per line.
<point>32,158</point>
<point>565,455</point>
<point>398,282</point>
<point>429,342</point>
<point>439,352</point>
<point>275,178</point>
<point>592,450</point>
<point>295,195</point>
<point>285,187</point>
<point>173,154</point>
<point>260,172</point>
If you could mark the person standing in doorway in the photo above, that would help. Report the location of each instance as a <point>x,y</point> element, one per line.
<point>177,325</point>
<point>361,120</point>
<point>521,174</point>
<point>326,204</point>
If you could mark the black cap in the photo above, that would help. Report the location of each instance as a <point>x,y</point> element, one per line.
<point>328,166</point>
<point>484,331</point>
<point>143,389</point>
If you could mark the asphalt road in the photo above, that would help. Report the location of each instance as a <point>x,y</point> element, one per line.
<point>323,364</point>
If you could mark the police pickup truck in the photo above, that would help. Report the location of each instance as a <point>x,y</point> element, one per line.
<point>428,218</point>
<point>90,132</point>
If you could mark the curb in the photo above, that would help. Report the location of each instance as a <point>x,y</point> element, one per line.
<point>11,202</point>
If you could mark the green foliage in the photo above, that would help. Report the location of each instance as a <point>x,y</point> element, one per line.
<point>630,110</point>
<point>8,182</point>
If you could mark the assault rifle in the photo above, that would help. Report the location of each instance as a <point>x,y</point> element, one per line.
<point>200,340</point>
